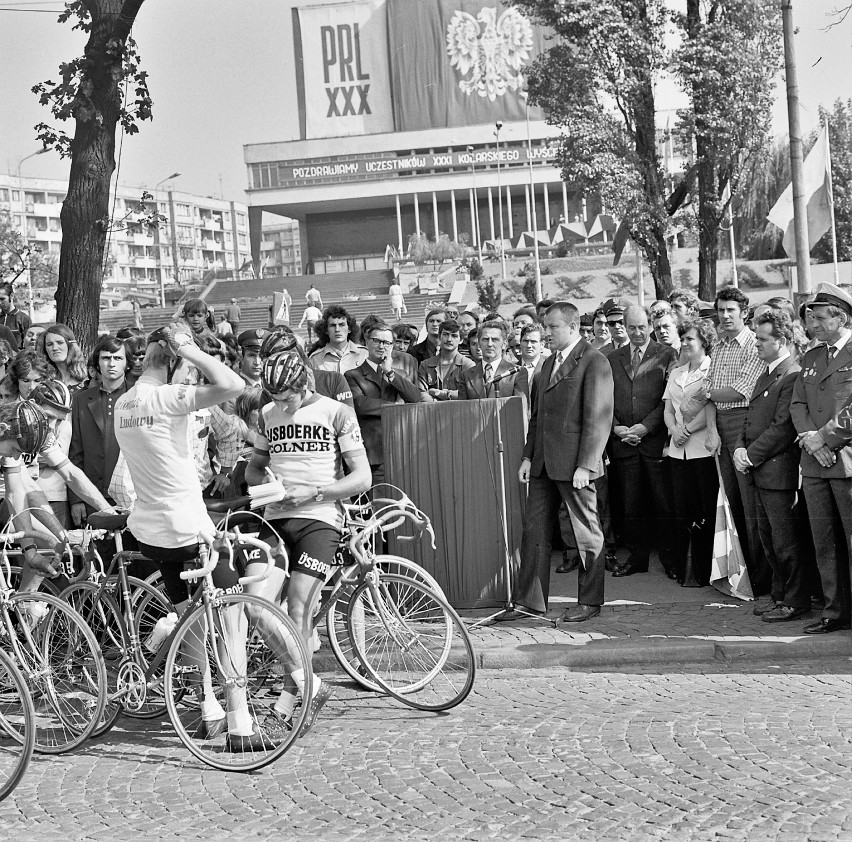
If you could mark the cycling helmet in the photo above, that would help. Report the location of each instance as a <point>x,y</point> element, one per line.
<point>30,428</point>
<point>52,393</point>
<point>283,371</point>
<point>280,340</point>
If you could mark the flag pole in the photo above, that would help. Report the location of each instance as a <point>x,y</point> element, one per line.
<point>800,204</point>
<point>831,204</point>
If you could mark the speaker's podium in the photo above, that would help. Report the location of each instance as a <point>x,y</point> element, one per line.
<point>444,456</point>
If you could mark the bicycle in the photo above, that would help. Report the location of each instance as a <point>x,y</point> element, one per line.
<point>243,638</point>
<point>59,658</point>
<point>17,726</point>
<point>391,632</point>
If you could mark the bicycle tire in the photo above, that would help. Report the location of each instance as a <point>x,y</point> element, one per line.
<point>103,616</point>
<point>260,678</point>
<point>64,670</point>
<point>17,726</point>
<point>412,643</point>
<point>336,618</point>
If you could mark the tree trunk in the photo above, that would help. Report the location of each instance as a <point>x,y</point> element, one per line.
<point>86,211</point>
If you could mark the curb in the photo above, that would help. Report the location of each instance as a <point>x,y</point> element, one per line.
<point>647,652</point>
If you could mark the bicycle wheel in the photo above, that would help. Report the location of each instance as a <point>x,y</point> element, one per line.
<point>17,725</point>
<point>103,616</point>
<point>246,673</point>
<point>411,642</point>
<point>46,586</point>
<point>63,667</point>
<point>336,625</point>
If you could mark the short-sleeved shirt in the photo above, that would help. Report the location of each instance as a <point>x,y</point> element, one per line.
<point>735,365</point>
<point>51,455</point>
<point>152,429</point>
<point>306,449</point>
<point>312,314</point>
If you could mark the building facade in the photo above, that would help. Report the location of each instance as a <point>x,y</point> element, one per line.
<point>197,235</point>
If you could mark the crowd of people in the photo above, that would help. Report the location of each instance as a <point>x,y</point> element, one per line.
<point>635,419</point>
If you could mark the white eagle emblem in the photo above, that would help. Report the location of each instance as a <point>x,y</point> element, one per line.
<point>492,50</point>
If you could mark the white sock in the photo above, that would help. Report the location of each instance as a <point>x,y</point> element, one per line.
<point>211,710</point>
<point>239,721</point>
<point>286,704</point>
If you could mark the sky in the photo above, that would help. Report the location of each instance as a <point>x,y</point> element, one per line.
<point>222,75</point>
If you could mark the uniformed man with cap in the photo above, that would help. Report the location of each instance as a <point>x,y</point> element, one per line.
<point>822,389</point>
<point>251,364</point>
<point>614,312</point>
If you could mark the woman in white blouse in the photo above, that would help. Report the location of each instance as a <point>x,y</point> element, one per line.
<point>695,483</point>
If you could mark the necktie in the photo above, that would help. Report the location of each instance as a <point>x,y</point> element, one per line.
<point>637,359</point>
<point>489,372</point>
<point>832,350</point>
<point>557,363</point>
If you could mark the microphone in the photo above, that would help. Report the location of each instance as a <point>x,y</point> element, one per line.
<point>508,373</point>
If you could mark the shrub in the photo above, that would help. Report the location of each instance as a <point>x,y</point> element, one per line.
<point>749,278</point>
<point>488,295</point>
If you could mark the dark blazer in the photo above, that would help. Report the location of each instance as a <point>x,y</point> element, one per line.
<point>639,399</point>
<point>768,435</point>
<point>371,392</point>
<point>472,383</point>
<point>571,417</point>
<point>421,351</point>
<point>89,433</point>
<point>820,392</point>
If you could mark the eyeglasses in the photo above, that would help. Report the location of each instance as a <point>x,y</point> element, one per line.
<point>615,321</point>
<point>453,314</point>
<point>382,343</point>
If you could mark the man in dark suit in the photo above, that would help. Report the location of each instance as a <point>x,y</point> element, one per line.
<point>376,385</point>
<point>640,370</point>
<point>93,446</point>
<point>768,455</point>
<point>429,346</point>
<point>569,427</point>
<point>494,377</point>
<point>823,387</point>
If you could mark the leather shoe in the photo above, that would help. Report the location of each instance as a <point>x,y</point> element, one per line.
<point>825,626</point>
<point>764,605</point>
<point>580,614</point>
<point>783,613</point>
<point>568,564</point>
<point>629,569</point>
<point>611,562</point>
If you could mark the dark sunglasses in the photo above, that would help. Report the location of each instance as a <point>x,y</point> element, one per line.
<point>615,321</point>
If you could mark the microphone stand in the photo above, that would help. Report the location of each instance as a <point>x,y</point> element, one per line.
<point>509,606</point>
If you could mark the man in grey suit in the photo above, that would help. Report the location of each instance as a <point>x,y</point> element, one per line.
<point>822,389</point>
<point>768,456</point>
<point>570,423</point>
<point>640,372</point>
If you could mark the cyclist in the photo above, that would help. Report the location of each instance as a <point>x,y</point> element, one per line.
<point>169,517</point>
<point>304,439</point>
<point>36,425</point>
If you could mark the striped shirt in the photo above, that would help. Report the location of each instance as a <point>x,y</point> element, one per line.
<point>735,365</point>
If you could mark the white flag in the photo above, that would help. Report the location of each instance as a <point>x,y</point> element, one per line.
<point>817,181</point>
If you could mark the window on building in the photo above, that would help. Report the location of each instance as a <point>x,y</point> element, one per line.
<point>4,194</point>
<point>32,198</point>
<point>241,239</point>
<point>16,196</point>
<point>55,198</point>
<point>53,222</point>
<point>182,210</point>
<point>241,220</point>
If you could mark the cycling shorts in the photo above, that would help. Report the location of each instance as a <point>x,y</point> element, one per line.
<point>172,561</point>
<point>311,544</point>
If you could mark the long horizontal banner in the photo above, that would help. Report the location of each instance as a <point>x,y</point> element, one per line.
<point>294,173</point>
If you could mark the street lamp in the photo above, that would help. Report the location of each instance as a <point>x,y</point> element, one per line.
<point>23,227</point>
<point>476,231</point>
<point>159,241</point>
<point>499,126</point>
<point>538,290</point>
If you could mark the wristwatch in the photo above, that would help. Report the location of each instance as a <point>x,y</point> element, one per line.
<point>319,495</point>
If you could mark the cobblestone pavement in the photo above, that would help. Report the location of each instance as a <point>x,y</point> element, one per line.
<point>762,753</point>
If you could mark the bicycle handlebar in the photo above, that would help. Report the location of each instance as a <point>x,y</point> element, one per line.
<point>228,539</point>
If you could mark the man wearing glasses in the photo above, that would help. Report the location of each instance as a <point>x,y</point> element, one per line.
<point>614,312</point>
<point>376,385</point>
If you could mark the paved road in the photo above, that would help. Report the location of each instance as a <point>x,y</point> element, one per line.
<point>541,754</point>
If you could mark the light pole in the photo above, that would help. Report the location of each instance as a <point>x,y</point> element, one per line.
<point>538,291</point>
<point>159,242</point>
<point>24,229</point>
<point>476,232</point>
<point>499,126</point>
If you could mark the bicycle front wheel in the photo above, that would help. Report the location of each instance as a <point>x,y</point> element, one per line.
<point>336,618</point>
<point>237,662</point>
<point>63,667</point>
<point>17,725</point>
<point>411,642</point>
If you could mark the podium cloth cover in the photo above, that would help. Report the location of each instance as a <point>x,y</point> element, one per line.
<point>444,456</point>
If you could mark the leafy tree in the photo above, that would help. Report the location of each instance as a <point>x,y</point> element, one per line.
<point>20,262</point>
<point>596,83</point>
<point>488,295</point>
<point>729,56</point>
<point>101,90</point>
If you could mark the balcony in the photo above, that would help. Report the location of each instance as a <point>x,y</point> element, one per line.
<point>143,239</point>
<point>145,262</point>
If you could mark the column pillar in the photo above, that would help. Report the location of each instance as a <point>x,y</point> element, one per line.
<point>399,225</point>
<point>546,206</point>
<point>435,213</point>
<point>491,213</point>
<point>416,215</point>
<point>565,203</point>
<point>529,215</point>
<point>473,232</point>
<point>455,218</point>
<point>509,211</point>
